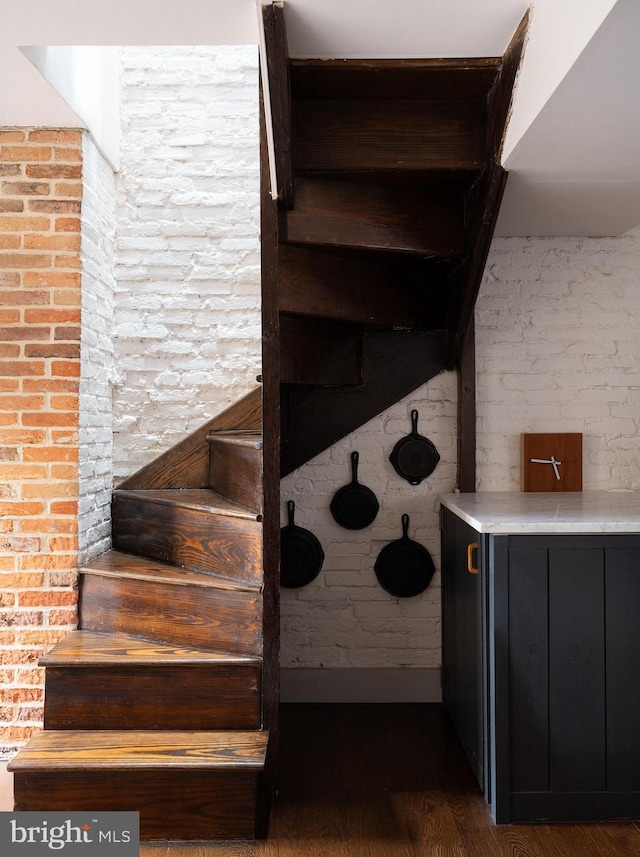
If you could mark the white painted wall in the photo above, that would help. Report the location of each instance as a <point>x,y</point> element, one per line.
<point>576,169</point>
<point>344,620</point>
<point>558,34</point>
<point>558,350</point>
<point>187,316</point>
<point>88,78</point>
<point>404,28</point>
<point>96,353</point>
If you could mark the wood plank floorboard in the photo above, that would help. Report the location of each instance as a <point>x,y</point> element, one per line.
<point>392,781</point>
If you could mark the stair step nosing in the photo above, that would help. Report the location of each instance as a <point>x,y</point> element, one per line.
<point>82,648</point>
<point>237,511</point>
<point>248,442</point>
<point>67,750</point>
<point>228,583</point>
<point>84,660</point>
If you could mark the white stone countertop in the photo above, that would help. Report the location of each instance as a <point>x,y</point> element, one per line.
<point>514,512</point>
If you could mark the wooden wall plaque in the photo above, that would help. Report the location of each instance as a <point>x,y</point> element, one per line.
<point>551,462</point>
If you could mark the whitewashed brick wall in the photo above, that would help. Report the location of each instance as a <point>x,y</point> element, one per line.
<point>187,319</point>
<point>97,353</point>
<point>344,618</point>
<point>558,350</point>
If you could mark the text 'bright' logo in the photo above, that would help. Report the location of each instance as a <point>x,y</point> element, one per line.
<point>34,834</point>
<point>55,837</point>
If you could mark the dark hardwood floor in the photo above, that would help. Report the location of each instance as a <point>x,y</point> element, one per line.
<point>392,781</point>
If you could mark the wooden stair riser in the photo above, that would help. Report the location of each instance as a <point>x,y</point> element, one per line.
<point>235,470</point>
<point>161,696</point>
<point>435,79</point>
<point>187,537</point>
<point>427,222</point>
<point>319,352</point>
<point>344,134</point>
<point>173,804</point>
<point>206,617</point>
<point>368,289</point>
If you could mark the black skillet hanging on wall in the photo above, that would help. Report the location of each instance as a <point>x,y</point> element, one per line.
<point>414,457</point>
<point>404,567</point>
<point>301,554</point>
<point>354,506</point>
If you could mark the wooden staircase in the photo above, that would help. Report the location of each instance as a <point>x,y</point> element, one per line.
<point>155,704</point>
<point>166,698</point>
<point>388,187</point>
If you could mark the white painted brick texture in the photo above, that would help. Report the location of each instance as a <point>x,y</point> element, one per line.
<point>187,318</point>
<point>557,350</point>
<point>97,353</point>
<point>344,618</point>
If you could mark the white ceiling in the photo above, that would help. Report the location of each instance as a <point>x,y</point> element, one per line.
<point>573,143</point>
<point>577,166</point>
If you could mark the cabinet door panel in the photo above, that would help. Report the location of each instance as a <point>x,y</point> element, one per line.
<point>528,669</point>
<point>576,670</point>
<point>622,576</point>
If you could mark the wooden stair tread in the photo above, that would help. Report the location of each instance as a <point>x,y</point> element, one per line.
<point>119,750</point>
<point>115,563</point>
<point>250,439</point>
<point>201,499</point>
<point>84,648</point>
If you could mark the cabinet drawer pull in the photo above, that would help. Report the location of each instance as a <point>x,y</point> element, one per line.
<point>473,546</point>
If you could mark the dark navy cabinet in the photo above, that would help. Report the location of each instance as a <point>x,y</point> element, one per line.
<point>541,651</point>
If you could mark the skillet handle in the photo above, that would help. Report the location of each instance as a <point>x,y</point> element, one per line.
<point>405,526</point>
<point>414,422</point>
<point>354,467</point>
<point>291,508</point>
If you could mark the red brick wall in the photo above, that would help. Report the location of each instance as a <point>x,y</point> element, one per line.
<point>40,197</point>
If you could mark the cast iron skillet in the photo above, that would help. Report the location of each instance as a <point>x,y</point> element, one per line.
<point>301,554</point>
<point>354,506</point>
<point>414,457</point>
<point>404,567</point>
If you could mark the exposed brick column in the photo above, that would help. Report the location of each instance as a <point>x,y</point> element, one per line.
<point>40,197</point>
